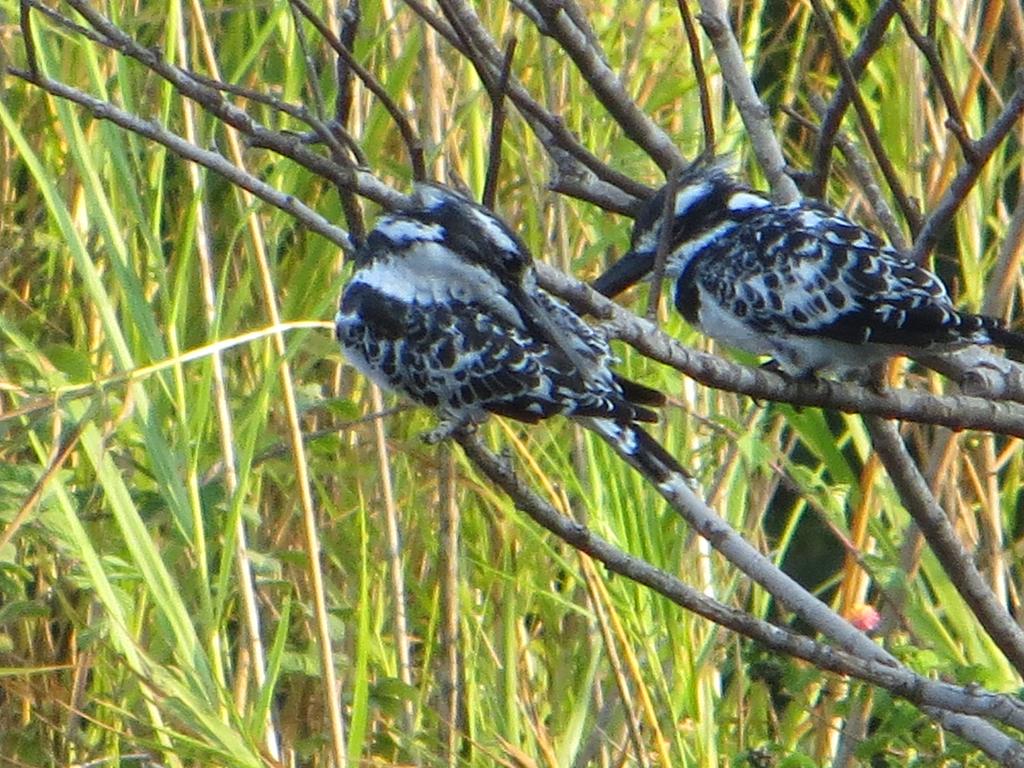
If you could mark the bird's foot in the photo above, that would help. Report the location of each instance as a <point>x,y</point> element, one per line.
<point>450,427</point>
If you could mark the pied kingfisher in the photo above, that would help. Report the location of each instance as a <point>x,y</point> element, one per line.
<point>799,282</point>
<point>443,306</point>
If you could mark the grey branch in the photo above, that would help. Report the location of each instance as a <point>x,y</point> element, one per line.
<point>885,673</point>
<point>549,128</point>
<point>958,565</point>
<point>942,214</point>
<point>953,411</point>
<point>565,22</point>
<point>213,102</point>
<point>104,110</point>
<point>754,113</point>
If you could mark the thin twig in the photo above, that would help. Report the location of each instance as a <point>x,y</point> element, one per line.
<point>942,213</point>
<point>412,141</point>
<point>212,100</point>
<point>103,110</point>
<point>697,62</point>
<point>497,127</point>
<point>452,701</point>
<point>664,246</point>
<point>337,140</point>
<point>396,565</point>
<point>312,66</point>
<point>565,22</point>
<point>907,208</point>
<point>860,169</point>
<point>350,18</point>
<point>27,36</point>
<point>550,129</point>
<point>871,40</point>
<point>441,26</point>
<point>926,44</point>
<point>60,20</point>
<point>62,450</point>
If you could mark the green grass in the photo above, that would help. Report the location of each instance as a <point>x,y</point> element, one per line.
<point>122,613</point>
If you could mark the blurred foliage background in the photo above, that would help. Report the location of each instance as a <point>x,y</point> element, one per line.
<point>151,504</point>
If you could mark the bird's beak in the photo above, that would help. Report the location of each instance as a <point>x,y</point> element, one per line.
<point>627,271</point>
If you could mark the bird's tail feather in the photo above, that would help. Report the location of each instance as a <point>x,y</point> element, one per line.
<point>637,393</point>
<point>648,455</point>
<point>1004,337</point>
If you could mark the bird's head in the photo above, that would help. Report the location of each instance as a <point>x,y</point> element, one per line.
<point>440,218</point>
<point>700,198</point>
<point>471,231</point>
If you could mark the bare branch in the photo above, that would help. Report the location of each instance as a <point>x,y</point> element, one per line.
<point>943,213</point>
<point>350,17</point>
<point>861,171</point>
<point>572,179</point>
<point>887,674</point>
<point>27,36</point>
<point>412,141</point>
<point>566,23</point>
<point>212,101</point>
<point>870,42</point>
<point>956,562</point>
<point>103,110</point>
<point>550,129</point>
<point>497,127</point>
<point>697,62</point>
<point>956,412</point>
<point>664,247</point>
<point>926,44</point>
<point>909,210</point>
<point>58,18</point>
<point>715,20</point>
<point>336,138</point>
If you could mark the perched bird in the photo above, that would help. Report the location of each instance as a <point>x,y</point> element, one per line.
<point>443,307</point>
<point>799,282</point>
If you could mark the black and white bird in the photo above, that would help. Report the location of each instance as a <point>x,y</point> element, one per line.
<point>799,282</point>
<point>443,307</point>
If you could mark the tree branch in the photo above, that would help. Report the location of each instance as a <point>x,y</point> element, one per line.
<point>909,210</point>
<point>697,62</point>
<point>409,136</point>
<point>497,127</point>
<point>550,129</point>
<point>943,213</point>
<point>715,21</point>
<point>870,42</point>
<point>104,110</point>
<point>566,23</point>
<point>955,412</point>
<point>213,102</point>
<point>886,673</point>
<point>958,565</point>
